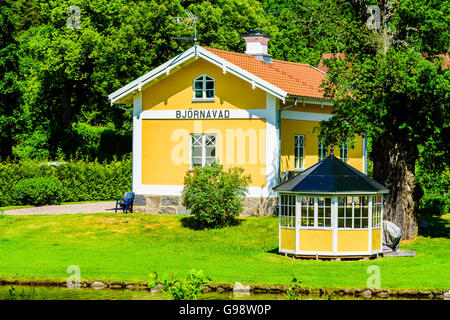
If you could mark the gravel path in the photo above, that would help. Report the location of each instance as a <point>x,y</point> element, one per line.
<point>95,207</point>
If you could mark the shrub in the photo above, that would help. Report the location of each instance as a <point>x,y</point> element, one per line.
<point>294,291</point>
<point>181,289</point>
<point>38,191</point>
<point>80,180</point>
<point>215,195</point>
<point>433,204</point>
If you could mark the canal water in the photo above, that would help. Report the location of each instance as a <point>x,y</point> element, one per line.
<point>64,293</point>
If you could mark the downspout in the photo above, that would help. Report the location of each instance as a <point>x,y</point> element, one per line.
<point>279,136</point>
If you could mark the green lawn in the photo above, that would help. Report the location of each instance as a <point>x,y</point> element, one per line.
<point>121,247</point>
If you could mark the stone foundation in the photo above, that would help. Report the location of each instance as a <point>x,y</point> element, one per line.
<point>172,205</point>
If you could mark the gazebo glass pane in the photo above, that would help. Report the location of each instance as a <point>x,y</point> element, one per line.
<point>307,212</point>
<point>287,211</point>
<point>356,212</point>
<point>324,212</point>
<point>364,212</point>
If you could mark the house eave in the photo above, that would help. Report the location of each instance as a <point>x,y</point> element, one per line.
<point>140,83</point>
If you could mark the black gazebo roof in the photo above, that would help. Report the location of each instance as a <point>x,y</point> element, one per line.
<point>331,175</point>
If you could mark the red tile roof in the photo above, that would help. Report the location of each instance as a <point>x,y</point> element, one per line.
<point>297,79</point>
<point>325,56</point>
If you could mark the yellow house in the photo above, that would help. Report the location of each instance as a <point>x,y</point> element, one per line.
<point>239,109</point>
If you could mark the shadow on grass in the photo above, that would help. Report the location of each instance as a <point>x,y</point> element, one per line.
<point>437,227</point>
<point>274,251</point>
<point>191,223</point>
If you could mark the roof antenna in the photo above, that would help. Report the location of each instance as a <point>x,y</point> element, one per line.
<point>191,20</point>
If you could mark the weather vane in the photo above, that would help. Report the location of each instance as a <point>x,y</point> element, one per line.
<point>191,21</point>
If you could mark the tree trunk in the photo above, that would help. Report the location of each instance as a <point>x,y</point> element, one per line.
<point>394,161</point>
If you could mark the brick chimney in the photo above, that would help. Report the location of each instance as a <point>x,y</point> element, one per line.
<point>256,45</point>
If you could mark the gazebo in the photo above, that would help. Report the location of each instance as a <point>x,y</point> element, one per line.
<point>330,210</point>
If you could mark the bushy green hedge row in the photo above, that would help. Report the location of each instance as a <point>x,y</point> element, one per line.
<point>38,191</point>
<point>80,180</point>
<point>436,191</point>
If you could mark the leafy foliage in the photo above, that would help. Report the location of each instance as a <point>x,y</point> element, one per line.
<point>293,293</point>
<point>38,191</point>
<point>181,289</point>
<point>80,180</point>
<point>63,76</point>
<point>214,195</point>
<point>9,66</point>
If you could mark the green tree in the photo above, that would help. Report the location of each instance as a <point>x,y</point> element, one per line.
<point>302,30</point>
<point>67,73</point>
<point>397,94</point>
<point>9,67</point>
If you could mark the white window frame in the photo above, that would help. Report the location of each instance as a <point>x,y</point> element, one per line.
<point>313,212</point>
<point>309,214</point>
<point>323,148</point>
<point>297,149</point>
<point>353,214</point>
<point>344,149</point>
<point>377,211</point>
<point>287,211</point>
<point>204,136</point>
<point>324,218</point>
<point>203,80</point>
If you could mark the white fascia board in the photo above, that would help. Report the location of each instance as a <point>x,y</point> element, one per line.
<point>149,76</point>
<point>189,54</point>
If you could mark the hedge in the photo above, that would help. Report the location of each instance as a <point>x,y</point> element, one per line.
<point>38,191</point>
<point>80,180</point>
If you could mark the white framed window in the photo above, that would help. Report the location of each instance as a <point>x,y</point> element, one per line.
<point>344,151</point>
<point>353,212</point>
<point>307,211</point>
<point>324,212</point>
<point>323,150</point>
<point>377,204</point>
<point>204,88</point>
<point>203,149</point>
<point>287,210</point>
<point>299,151</point>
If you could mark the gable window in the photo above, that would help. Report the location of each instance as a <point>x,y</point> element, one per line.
<point>344,151</point>
<point>323,148</point>
<point>299,151</point>
<point>203,149</point>
<point>204,88</point>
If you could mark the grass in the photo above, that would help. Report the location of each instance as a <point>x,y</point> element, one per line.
<point>120,247</point>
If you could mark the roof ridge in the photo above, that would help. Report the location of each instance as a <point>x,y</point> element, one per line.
<point>297,79</point>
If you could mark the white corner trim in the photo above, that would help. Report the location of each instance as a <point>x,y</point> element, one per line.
<point>272,144</point>
<point>137,142</point>
<point>364,154</point>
